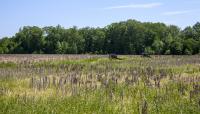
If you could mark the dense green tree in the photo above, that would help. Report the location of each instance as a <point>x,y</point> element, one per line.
<point>75,40</point>
<point>93,39</point>
<point>188,32</point>
<point>7,45</point>
<point>30,39</point>
<point>53,36</point>
<point>176,48</point>
<point>167,43</point>
<point>126,37</point>
<point>196,29</point>
<point>4,45</point>
<point>158,46</point>
<point>190,46</point>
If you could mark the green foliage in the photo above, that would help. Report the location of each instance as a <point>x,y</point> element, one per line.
<point>167,52</point>
<point>158,46</point>
<point>30,39</point>
<point>176,48</point>
<point>187,52</point>
<point>126,37</point>
<point>196,28</point>
<point>191,46</point>
<point>7,45</point>
<point>148,50</point>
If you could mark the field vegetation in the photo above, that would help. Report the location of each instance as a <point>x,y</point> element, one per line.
<point>95,84</point>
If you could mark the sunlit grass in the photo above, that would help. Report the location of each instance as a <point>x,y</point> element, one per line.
<point>89,86</point>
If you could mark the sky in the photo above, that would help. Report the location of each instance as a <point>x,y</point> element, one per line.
<point>94,13</point>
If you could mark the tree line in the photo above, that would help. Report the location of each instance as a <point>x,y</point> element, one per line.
<point>126,37</point>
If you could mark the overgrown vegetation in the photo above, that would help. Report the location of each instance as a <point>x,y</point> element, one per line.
<point>43,84</point>
<point>128,37</point>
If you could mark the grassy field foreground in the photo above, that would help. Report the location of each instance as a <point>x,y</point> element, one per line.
<point>85,84</point>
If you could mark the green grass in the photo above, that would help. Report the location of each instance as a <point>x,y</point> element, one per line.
<point>90,95</point>
<point>99,102</point>
<point>8,65</point>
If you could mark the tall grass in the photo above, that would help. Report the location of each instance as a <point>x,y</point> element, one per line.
<point>98,85</point>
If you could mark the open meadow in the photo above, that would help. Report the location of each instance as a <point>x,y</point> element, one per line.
<point>95,84</point>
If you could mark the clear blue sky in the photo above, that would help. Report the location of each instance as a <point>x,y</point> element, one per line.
<point>18,13</point>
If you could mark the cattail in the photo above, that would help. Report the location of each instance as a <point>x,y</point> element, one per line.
<point>127,81</point>
<point>138,107</point>
<point>196,87</point>
<point>74,80</point>
<point>145,107</point>
<point>90,76</point>
<point>74,91</point>
<point>99,77</point>
<point>45,82</point>
<point>60,83</point>
<point>95,86</point>
<point>54,81</point>
<point>65,81</point>
<point>114,79</point>
<point>2,91</point>
<point>181,88</point>
<point>111,94</point>
<point>191,95</point>
<point>122,95</point>
<point>39,84</point>
<point>105,83</point>
<point>157,81</point>
<point>32,82</point>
